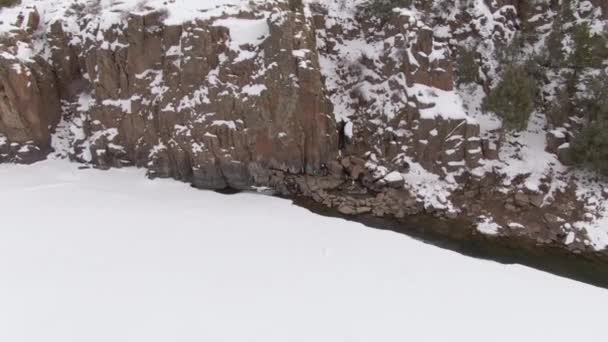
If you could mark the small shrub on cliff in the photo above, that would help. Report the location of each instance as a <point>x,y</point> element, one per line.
<point>296,5</point>
<point>590,146</point>
<point>560,108</point>
<point>525,11</point>
<point>467,69</point>
<point>592,101</point>
<point>9,3</point>
<point>513,98</point>
<point>382,9</point>
<point>566,10</point>
<point>511,53</point>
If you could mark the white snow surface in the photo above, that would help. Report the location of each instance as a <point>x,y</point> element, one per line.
<point>89,256</point>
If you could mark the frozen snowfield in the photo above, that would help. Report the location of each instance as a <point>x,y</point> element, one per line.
<point>91,256</point>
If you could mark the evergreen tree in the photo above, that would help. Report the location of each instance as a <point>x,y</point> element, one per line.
<point>382,9</point>
<point>590,147</point>
<point>554,44</point>
<point>514,98</point>
<point>590,51</point>
<point>561,108</point>
<point>467,69</point>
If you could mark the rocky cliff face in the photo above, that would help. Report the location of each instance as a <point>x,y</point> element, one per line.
<point>317,98</point>
<point>216,101</point>
<point>29,96</point>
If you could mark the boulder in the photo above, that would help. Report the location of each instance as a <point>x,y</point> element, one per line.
<point>394,180</point>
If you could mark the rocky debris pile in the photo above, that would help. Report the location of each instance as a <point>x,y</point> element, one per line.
<point>558,142</point>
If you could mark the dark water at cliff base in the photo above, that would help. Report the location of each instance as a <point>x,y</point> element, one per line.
<point>461,237</point>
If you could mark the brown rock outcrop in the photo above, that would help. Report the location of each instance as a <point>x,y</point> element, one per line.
<point>189,101</point>
<point>29,105</point>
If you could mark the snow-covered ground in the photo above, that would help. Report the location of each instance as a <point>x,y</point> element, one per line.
<point>89,256</point>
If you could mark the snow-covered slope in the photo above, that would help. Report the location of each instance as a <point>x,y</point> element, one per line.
<point>144,260</point>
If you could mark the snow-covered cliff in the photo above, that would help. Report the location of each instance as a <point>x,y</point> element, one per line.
<point>363,109</point>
